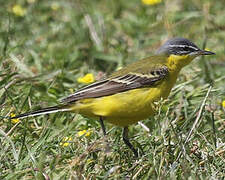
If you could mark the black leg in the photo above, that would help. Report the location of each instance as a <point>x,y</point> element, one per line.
<point>127,142</point>
<point>107,147</point>
<point>102,125</point>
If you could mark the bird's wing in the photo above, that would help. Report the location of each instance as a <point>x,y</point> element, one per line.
<point>122,80</point>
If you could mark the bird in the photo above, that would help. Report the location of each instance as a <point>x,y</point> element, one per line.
<point>129,94</point>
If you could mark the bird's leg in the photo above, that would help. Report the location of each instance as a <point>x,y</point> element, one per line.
<point>127,142</point>
<point>102,125</point>
<point>107,147</point>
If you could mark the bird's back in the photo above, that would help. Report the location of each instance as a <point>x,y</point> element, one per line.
<point>142,66</point>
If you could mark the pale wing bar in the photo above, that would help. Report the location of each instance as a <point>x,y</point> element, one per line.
<point>118,84</point>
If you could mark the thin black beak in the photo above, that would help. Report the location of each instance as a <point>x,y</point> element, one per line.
<point>204,52</point>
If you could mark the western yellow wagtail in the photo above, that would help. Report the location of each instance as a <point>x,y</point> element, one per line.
<point>128,95</point>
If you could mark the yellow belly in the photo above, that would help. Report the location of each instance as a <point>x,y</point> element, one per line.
<point>124,108</point>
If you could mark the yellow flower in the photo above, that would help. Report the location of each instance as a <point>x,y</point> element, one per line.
<point>88,78</point>
<point>55,6</point>
<point>18,10</point>
<point>14,121</point>
<point>84,132</point>
<point>223,103</point>
<point>66,141</point>
<point>151,2</point>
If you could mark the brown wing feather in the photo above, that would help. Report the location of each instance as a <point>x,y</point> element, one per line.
<point>118,84</point>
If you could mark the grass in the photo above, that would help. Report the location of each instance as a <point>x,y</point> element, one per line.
<point>46,49</point>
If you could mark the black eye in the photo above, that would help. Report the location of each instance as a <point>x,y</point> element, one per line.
<point>186,49</point>
<point>152,73</point>
<point>158,72</point>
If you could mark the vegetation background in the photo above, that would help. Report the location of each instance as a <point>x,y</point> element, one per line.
<point>47,45</point>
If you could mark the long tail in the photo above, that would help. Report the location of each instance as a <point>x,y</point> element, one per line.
<point>47,110</point>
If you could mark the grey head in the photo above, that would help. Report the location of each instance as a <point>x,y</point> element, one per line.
<point>181,46</point>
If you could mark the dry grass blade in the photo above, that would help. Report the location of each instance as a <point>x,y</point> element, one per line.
<point>194,125</point>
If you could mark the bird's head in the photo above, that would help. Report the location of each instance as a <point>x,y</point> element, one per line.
<point>181,51</point>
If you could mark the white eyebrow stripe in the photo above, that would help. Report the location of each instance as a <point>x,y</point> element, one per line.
<point>183,46</point>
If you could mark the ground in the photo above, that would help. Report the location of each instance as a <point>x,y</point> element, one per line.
<point>47,46</point>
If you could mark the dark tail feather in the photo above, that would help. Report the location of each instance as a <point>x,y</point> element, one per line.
<point>47,110</point>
